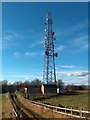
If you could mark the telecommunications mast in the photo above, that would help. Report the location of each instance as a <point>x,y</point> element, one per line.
<point>49,74</point>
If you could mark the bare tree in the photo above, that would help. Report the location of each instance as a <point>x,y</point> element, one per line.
<point>4,85</point>
<point>36,82</point>
<point>60,83</point>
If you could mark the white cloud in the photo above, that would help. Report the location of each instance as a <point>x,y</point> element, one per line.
<point>77,82</point>
<point>27,54</point>
<point>81,40</point>
<point>69,30</point>
<point>70,66</point>
<point>80,43</point>
<point>0,44</point>
<point>76,77</point>
<point>20,77</point>
<point>77,27</point>
<point>60,48</point>
<point>36,43</point>
<point>12,38</point>
<point>78,74</point>
<point>75,42</point>
<point>67,77</point>
<point>75,73</point>
<point>31,54</point>
<point>17,54</point>
<point>7,41</point>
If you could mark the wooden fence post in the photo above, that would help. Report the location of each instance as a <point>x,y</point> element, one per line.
<point>71,111</point>
<point>65,109</point>
<point>80,112</point>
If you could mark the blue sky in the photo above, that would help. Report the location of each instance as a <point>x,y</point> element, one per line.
<point>23,40</point>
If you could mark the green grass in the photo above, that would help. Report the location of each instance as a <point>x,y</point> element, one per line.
<point>0,105</point>
<point>75,101</point>
<point>3,99</point>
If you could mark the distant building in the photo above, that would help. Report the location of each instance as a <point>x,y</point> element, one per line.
<point>48,88</point>
<point>60,89</point>
<point>33,89</point>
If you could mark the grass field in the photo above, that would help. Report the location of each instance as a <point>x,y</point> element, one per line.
<point>0,106</point>
<point>3,99</point>
<point>75,101</point>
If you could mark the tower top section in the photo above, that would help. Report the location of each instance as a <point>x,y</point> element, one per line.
<point>48,18</point>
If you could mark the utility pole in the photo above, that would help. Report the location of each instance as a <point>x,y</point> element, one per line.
<point>49,74</point>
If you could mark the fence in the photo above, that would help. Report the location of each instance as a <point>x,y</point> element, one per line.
<point>70,112</point>
<point>64,110</point>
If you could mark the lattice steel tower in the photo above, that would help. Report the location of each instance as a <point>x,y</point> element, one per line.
<point>49,75</point>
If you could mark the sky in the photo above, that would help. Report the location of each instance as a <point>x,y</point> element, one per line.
<point>23,33</point>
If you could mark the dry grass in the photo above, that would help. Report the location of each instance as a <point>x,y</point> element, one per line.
<point>75,101</point>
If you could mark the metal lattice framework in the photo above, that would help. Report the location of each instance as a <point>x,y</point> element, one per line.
<point>49,75</point>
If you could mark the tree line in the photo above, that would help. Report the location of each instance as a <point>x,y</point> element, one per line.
<point>5,86</point>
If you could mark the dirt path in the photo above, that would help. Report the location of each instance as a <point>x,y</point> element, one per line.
<point>7,108</point>
<point>45,113</point>
<point>23,113</point>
